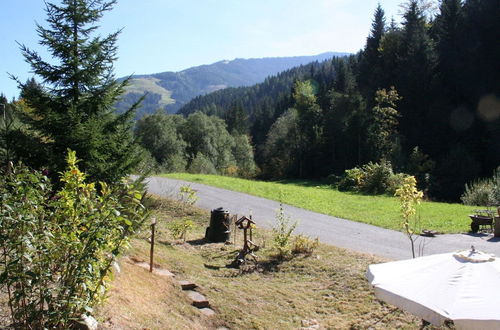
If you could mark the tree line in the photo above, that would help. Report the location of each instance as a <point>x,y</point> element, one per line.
<point>423,94</point>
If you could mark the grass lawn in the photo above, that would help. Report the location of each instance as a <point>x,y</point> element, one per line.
<point>382,211</point>
<point>328,287</point>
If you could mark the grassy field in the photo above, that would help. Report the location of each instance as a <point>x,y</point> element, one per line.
<point>328,288</point>
<point>382,211</point>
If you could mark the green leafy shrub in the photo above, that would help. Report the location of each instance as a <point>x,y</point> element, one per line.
<point>282,232</point>
<point>409,197</point>
<point>304,245</point>
<point>202,165</point>
<point>58,247</point>
<point>376,177</point>
<point>395,181</point>
<point>372,178</point>
<point>187,195</point>
<point>485,192</point>
<point>180,228</point>
<point>352,180</point>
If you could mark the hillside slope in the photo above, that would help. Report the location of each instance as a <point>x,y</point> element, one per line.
<point>171,90</point>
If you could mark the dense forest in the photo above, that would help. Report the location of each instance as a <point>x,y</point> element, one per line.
<point>169,91</point>
<point>422,95</point>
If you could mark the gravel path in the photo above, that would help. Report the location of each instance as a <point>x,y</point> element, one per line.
<point>331,230</point>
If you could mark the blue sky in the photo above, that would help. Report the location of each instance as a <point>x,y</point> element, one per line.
<point>167,35</point>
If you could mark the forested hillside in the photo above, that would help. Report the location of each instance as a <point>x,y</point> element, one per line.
<point>423,94</point>
<point>170,90</point>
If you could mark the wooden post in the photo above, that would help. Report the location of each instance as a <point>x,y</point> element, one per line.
<point>151,252</point>
<point>234,219</point>
<point>251,230</point>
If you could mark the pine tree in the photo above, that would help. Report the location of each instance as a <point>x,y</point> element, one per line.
<point>415,75</point>
<point>370,76</point>
<point>447,33</point>
<point>73,107</point>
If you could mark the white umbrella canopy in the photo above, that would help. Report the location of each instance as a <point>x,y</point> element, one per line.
<point>463,287</point>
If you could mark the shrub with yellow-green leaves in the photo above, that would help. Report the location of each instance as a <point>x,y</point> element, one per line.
<point>58,247</point>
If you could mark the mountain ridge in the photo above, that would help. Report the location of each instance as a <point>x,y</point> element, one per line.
<point>171,90</point>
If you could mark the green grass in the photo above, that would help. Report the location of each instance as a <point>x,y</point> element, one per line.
<point>328,286</point>
<point>382,211</point>
<point>142,85</point>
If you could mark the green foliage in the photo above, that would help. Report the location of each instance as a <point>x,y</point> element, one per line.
<point>372,178</point>
<point>57,249</point>
<point>73,108</point>
<point>352,180</point>
<point>485,192</point>
<point>180,228</point>
<point>383,131</point>
<point>282,232</point>
<point>208,136</point>
<point>282,146</point>
<point>376,177</point>
<point>202,165</point>
<point>243,155</point>
<point>304,245</point>
<point>378,210</point>
<point>159,133</point>
<point>187,195</point>
<point>445,68</point>
<point>409,197</point>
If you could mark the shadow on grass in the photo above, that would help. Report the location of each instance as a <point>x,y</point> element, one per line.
<point>303,183</point>
<point>197,242</point>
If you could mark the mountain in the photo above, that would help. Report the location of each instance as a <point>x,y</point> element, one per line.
<point>171,90</point>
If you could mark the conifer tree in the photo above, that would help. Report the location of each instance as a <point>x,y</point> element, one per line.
<point>415,74</point>
<point>447,33</point>
<point>371,67</point>
<point>73,105</point>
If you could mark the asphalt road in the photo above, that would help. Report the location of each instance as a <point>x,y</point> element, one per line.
<point>331,230</point>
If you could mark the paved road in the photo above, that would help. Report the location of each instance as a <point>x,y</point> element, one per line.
<point>331,230</point>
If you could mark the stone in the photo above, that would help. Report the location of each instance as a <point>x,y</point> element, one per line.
<point>162,272</point>
<point>197,299</point>
<point>207,311</point>
<point>87,322</point>
<point>187,285</point>
<point>156,270</point>
<point>309,324</point>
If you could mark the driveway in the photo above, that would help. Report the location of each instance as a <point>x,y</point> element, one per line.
<point>330,230</point>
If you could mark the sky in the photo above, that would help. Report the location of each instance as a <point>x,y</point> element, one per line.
<point>172,35</point>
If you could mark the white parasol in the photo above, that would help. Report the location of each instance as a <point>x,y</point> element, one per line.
<point>463,287</point>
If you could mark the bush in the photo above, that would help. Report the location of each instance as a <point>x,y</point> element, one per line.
<point>180,228</point>
<point>372,178</point>
<point>187,196</point>
<point>395,181</point>
<point>202,165</point>
<point>304,245</point>
<point>376,177</point>
<point>283,232</point>
<point>352,180</point>
<point>485,192</point>
<point>58,247</point>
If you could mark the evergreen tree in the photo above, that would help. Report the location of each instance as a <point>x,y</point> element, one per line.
<point>383,130</point>
<point>311,124</point>
<point>236,119</point>
<point>447,33</point>
<point>415,76</point>
<point>73,107</point>
<point>371,67</point>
